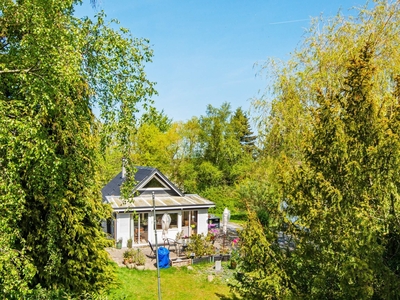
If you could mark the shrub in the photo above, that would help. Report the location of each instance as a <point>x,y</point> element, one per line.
<point>200,245</point>
<point>139,257</point>
<point>129,256</point>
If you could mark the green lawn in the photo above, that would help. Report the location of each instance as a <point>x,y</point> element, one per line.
<point>176,283</point>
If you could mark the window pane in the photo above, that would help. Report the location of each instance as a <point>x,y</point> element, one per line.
<point>174,220</point>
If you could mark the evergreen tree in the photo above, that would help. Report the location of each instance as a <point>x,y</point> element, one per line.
<point>242,130</point>
<point>342,192</point>
<point>338,168</point>
<point>259,274</point>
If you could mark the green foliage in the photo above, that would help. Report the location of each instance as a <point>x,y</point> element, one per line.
<point>337,163</point>
<point>110,163</point>
<point>208,175</point>
<point>186,176</point>
<point>200,245</point>
<point>223,196</point>
<point>221,141</point>
<point>341,193</point>
<point>154,148</point>
<point>54,69</point>
<point>259,274</point>
<point>201,155</point>
<point>242,130</point>
<point>139,257</point>
<point>158,119</point>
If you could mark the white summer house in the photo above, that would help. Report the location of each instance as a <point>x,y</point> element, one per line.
<point>133,218</point>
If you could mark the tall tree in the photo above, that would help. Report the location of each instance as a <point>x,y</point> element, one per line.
<point>260,274</point>
<point>159,119</point>
<point>242,129</point>
<point>218,141</point>
<point>214,131</point>
<point>54,69</point>
<point>341,192</point>
<point>152,147</point>
<point>339,181</point>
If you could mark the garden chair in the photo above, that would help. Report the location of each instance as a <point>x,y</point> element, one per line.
<point>171,243</point>
<point>153,254</point>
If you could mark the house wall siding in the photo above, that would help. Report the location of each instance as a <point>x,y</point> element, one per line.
<point>158,193</point>
<point>123,228</point>
<point>202,218</point>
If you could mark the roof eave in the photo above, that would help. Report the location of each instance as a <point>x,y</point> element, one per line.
<point>163,208</point>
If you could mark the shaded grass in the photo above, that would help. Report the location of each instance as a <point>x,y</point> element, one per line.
<point>176,283</point>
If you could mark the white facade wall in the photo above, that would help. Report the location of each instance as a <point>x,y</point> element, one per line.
<point>150,228</point>
<point>123,228</point>
<point>202,218</point>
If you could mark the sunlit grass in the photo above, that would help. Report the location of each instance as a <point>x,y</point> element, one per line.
<point>176,283</point>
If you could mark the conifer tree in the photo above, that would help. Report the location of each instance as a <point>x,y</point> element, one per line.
<point>242,129</point>
<point>338,169</point>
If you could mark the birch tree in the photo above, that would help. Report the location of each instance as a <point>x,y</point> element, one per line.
<point>54,70</point>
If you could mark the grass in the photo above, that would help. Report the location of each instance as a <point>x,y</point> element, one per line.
<point>176,283</point>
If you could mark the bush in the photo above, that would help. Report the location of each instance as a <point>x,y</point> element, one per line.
<point>239,216</point>
<point>128,256</point>
<point>200,246</point>
<point>139,257</point>
<point>223,196</point>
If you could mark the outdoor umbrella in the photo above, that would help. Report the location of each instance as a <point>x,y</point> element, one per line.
<point>225,218</point>
<point>166,220</point>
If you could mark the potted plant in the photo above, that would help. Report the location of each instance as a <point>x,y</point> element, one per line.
<point>119,243</point>
<point>179,236</point>
<point>129,243</point>
<point>193,231</point>
<point>140,259</point>
<point>128,256</point>
<point>212,234</point>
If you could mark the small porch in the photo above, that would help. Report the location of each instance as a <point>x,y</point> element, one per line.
<point>134,220</point>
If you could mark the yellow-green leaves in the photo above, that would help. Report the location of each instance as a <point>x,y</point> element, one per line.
<point>54,69</point>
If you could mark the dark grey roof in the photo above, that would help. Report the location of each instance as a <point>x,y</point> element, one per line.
<point>143,173</point>
<point>142,176</point>
<point>113,188</point>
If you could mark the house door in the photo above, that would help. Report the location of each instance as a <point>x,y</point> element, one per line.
<point>189,222</point>
<point>141,233</point>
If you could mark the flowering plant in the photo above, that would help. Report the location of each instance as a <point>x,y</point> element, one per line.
<point>235,242</point>
<point>235,254</point>
<point>213,232</point>
<point>211,226</point>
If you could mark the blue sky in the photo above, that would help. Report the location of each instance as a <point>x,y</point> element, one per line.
<point>205,52</point>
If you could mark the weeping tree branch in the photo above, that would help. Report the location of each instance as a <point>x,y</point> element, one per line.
<point>32,69</point>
